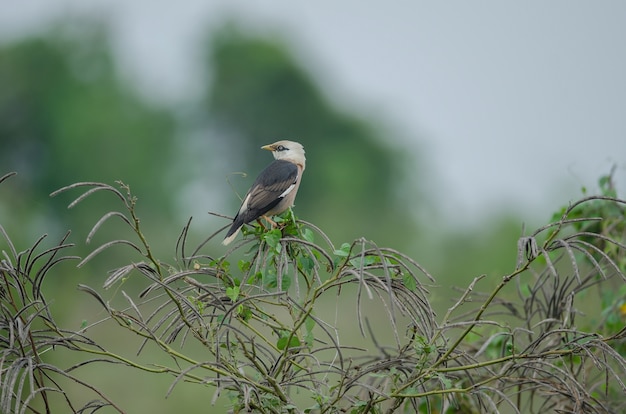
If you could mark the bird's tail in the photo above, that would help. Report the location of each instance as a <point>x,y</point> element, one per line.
<point>230,236</point>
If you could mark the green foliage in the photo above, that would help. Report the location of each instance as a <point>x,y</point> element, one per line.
<point>609,221</point>
<point>257,322</point>
<point>599,235</point>
<point>261,333</point>
<point>65,113</point>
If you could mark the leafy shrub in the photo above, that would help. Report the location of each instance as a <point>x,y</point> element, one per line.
<point>252,324</point>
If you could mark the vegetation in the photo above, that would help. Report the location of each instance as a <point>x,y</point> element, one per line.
<point>290,319</point>
<point>254,325</point>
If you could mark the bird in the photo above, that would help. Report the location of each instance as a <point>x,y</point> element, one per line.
<point>275,189</point>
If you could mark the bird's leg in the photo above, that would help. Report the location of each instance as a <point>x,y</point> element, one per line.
<point>261,223</point>
<point>272,223</point>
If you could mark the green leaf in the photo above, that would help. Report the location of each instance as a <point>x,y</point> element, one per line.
<point>255,277</point>
<point>364,261</point>
<point>309,323</point>
<point>270,279</point>
<point>604,182</point>
<point>245,313</point>
<point>232,293</point>
<point>306,263</point>
<point>272,238</point>
<point>343,251</point>
<point>422,346</point>
<point>220,264</point>
<point>244,265</point>
<point>409,282</point>
<point>287,342</point>
<point>308,235</point>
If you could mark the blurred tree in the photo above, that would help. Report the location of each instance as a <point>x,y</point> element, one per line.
<point>259,94</point>
<point>67,116</point>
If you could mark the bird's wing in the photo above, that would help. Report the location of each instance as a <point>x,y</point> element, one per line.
<point>270,187</point>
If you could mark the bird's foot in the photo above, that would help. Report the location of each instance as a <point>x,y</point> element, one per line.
<point>271,222</point>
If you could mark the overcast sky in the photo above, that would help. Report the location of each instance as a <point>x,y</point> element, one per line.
<point>514,103</point>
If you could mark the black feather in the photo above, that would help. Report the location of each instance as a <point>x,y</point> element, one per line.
<point>265,192</point>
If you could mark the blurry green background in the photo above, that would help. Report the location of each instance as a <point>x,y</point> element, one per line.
<point>69,113</point>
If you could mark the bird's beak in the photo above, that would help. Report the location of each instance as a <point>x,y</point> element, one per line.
<point>269,147</point>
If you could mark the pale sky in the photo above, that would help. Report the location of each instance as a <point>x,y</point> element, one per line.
<point>513,103</point>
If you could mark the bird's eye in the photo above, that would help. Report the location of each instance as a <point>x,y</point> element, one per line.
<point>280,148</point>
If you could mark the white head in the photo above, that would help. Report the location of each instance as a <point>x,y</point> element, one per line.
<point>288,151</point>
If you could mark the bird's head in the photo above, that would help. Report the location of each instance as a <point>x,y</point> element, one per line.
<point>288,151</point>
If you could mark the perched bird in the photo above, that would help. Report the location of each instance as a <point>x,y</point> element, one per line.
<point>274,190</point>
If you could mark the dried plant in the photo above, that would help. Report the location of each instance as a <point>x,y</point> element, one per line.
<point>253,324</point>
<point>28,331</point>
